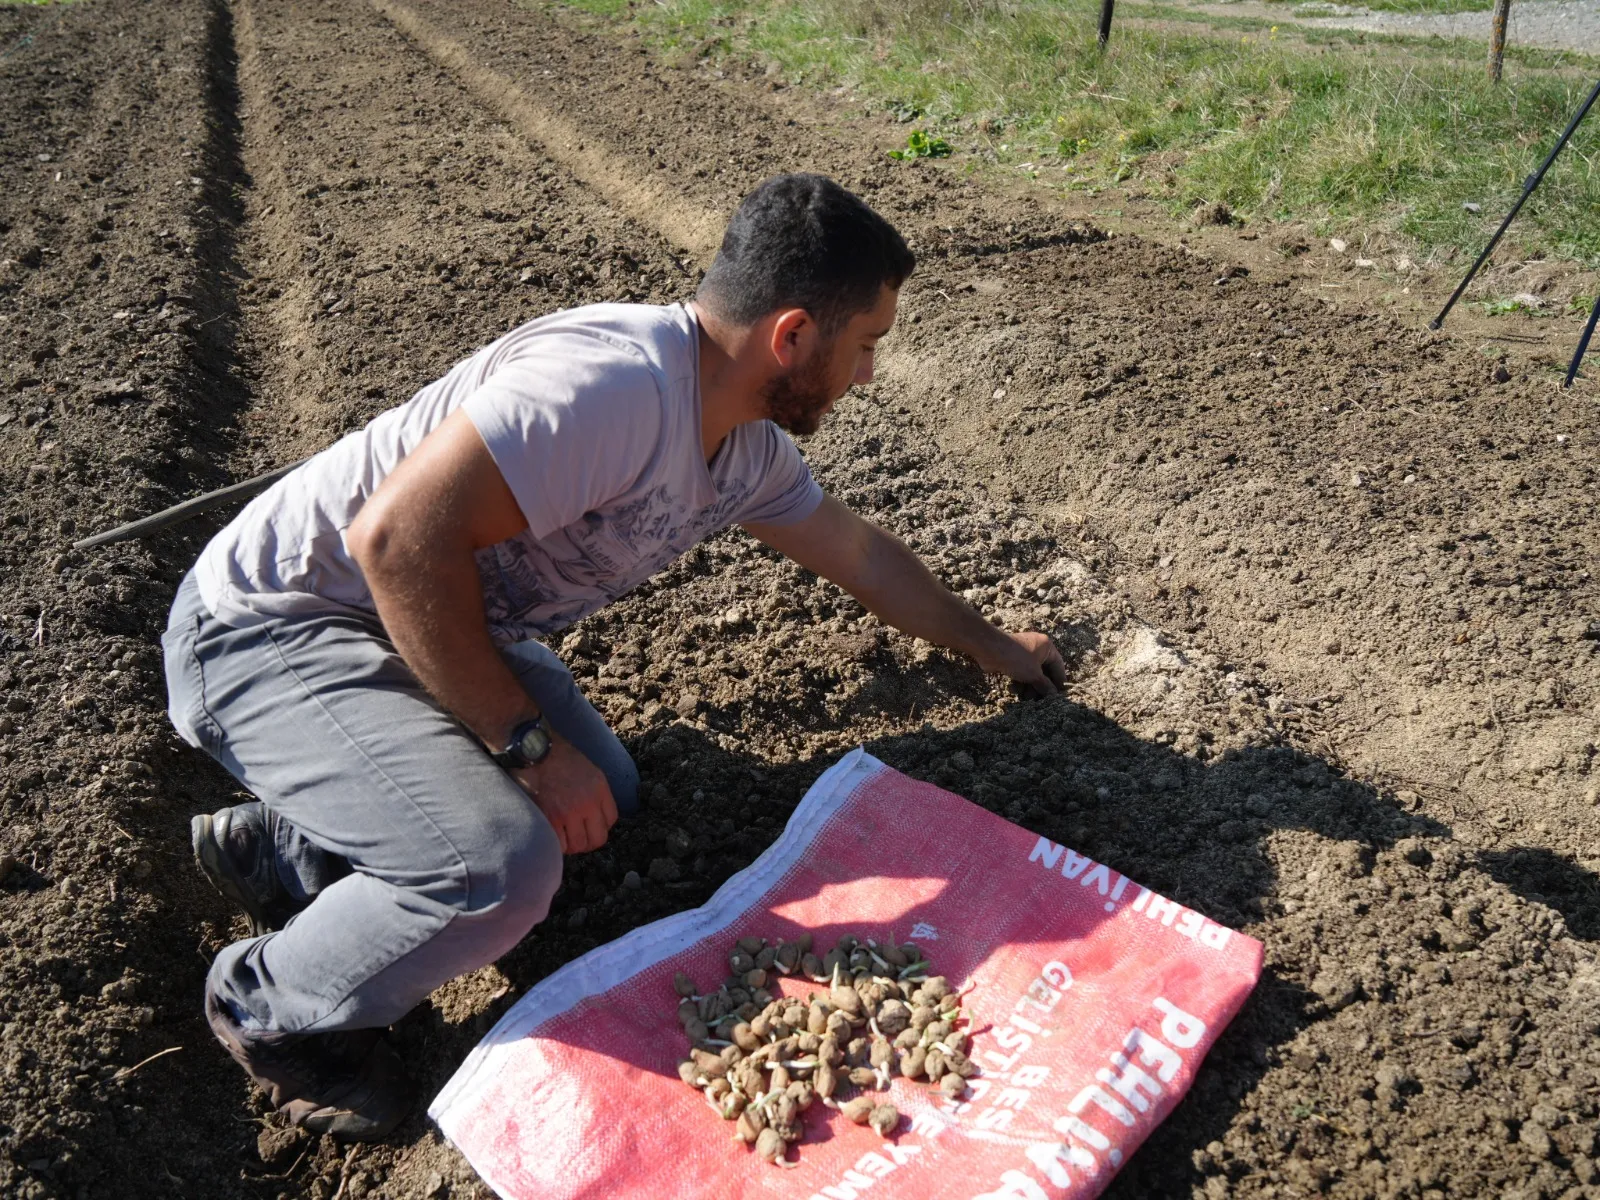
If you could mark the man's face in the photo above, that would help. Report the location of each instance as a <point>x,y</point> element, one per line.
<point>798,399</point>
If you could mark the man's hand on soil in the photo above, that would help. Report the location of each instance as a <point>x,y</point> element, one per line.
<point>1032,660</point>
<point>573,795</point>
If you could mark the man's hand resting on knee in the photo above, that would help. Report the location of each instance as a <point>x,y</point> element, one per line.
<point>573,795</point>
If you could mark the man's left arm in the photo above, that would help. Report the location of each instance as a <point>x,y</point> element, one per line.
<point>883,573</point>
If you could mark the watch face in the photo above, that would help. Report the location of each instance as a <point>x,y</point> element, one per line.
<point>534,743</point>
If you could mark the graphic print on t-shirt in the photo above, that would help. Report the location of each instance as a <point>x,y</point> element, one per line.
<point>526,587</point>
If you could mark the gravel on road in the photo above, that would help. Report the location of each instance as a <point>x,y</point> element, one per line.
<point>1549,24</point>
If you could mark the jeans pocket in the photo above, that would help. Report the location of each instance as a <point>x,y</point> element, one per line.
<point>186,706</point>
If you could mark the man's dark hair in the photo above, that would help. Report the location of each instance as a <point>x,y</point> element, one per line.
<point>802,241</point>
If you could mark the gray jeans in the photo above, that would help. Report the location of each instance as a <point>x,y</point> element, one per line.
<point>420,857</point>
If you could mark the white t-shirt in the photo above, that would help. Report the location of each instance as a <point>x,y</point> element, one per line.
<point>592,416</point>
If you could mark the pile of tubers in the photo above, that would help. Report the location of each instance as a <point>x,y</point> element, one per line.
<point>762,1059</point>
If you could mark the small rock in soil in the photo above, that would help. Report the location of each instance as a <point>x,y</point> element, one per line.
<point>278,1146</point>
<point>1414,852</point>
<point>1536,1138</point>
<point>110,391</point>
<point>664,870</point>
<point>1336,989</point>
<point>120,990</point>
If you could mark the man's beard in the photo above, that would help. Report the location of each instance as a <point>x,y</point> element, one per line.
<point>797,400</point>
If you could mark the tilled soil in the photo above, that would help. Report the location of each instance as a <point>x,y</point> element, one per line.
<point>1352,712</point>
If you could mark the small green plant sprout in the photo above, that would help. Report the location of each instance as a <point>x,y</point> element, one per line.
<point>1072,147</point>
<point>904,111</point>
<point>1581,304</point>
<point>921,144</point>
<point>1523,302</point>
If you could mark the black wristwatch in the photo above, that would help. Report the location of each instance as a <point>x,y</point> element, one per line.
<point>530,744</point>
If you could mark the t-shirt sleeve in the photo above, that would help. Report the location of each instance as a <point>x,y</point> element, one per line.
<point>785,491</point>
<point>570,428</point>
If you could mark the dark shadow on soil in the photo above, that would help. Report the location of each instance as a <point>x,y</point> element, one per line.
<point>1543,877</point>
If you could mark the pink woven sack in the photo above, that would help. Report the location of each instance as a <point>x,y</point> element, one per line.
<point>1092,1002</point>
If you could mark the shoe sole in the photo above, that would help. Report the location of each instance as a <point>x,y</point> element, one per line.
<point>219,872</point>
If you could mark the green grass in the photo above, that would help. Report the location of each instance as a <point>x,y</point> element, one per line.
<point>1340,129</point>
<point>1510,304</point>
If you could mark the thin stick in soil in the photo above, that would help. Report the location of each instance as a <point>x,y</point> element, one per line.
<point>126,1071</point>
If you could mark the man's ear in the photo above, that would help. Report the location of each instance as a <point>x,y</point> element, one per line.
<point>793,337</point>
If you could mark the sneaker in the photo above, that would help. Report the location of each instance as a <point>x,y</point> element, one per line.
<point>349,1084</point>
<point>231,849</point>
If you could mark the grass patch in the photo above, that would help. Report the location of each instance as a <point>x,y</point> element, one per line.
<point>1513,304</point>
<point>1333,127</point>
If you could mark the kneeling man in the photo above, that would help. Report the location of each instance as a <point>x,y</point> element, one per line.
<point>359,647</point>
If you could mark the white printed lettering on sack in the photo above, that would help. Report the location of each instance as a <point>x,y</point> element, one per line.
<point>1014,1185</point>
<point>1013,1081</point>
<point>1113,887</point>
<point>868,1170</point>
<point>1100,1114</point>
<point>993,1120</point>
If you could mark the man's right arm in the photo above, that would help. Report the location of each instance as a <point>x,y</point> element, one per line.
<point>415,540</point>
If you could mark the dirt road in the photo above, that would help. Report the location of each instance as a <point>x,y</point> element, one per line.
<point>1551,24</point>
<point>1326,584</point>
